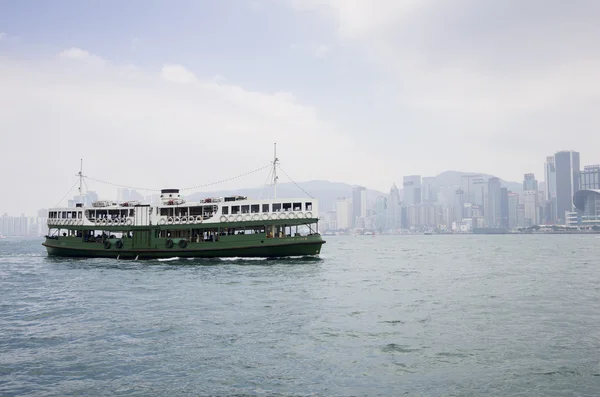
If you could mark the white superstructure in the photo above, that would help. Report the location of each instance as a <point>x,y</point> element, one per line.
<point>174,210</point>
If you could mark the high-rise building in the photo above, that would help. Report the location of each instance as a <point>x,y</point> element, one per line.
<point>393,208</point>
<point>504,208</point>
<point>590,177</point>
<point>550,195</point>
<point>344,213</point>
<point>529,182</point>
<point>493,209</point>
<point>412,190</point>
<point>359,204</point>
<point>550,175</point>
<point>530,208</point>
<point>428,190</point>
<point>513,206</point>
<point>567,168</point>
<point>381,213</point>
<point>459,205</point>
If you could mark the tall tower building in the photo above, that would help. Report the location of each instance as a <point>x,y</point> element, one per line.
<point>513,207</point>
<point>504,215</point>
<point>344,213</point>
<point>429,190</point>
<point>359,203</point>
<point>459,205</point>
<point>393,207</point>
<point>493,210</point>
<point>567,168</point>
<point>530,183</point>
<point>412,190</point>
<point>550,194</point>
<point>590,177</point>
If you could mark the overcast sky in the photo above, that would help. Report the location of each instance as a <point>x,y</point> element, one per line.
<point>181,93</point>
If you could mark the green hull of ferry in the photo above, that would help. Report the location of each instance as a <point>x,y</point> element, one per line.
<point>162,241</point>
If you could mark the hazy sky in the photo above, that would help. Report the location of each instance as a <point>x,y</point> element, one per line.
<point>180,93</point>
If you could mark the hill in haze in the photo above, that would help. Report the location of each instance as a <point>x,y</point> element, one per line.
<point>456,178</point>
<point>328,192</point>
<point>325,191</point>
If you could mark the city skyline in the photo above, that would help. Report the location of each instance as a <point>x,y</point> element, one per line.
<point>361,92</point>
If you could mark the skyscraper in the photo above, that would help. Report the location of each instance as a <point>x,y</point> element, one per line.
<point>566,164</point>
<point>590,177</point>
<point>529,182</point>
<point>412,190</point>
<point>344,213</point>
<point>381,215</point>
<point>513,207</point>
<point>359,203</point>
<point>459,205</point>
<point>393,207</point>
<point>504,208</point>
<point>428,190</point>
<point>493,210</point>
<point>530,200</point>
<point>550,197</point>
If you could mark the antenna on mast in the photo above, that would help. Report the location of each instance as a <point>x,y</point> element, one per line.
<point>80,181</point>
<point>275,159</point>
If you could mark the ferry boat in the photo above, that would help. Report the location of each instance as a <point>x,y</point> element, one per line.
<point>233,226</point>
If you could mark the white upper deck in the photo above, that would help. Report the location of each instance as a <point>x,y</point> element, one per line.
<point>175,211</point>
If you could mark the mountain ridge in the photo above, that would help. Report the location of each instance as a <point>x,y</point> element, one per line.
<point>328,192</point>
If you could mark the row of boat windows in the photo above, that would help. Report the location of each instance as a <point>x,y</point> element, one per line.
<point>256,208</point>
<point>64,214</point>
<point>203,210</point>
<point>108,214</point>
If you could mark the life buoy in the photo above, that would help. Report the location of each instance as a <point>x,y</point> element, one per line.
<point>119,244</point>
<point>300,215</point>
<point>265,216</point>
<point>107,244</point>
<point>183,219</point>
<point>309,214</point>
<point>255,217</point>
<point>169,243</point>
<point>231,218</point>
<point>273,217</point>
<point>170,220</point>
<point>128,222</point>
<point>199,219</point>
<point>103,221</point>
<point>80,222</point>
<point>282,216</point>
<point>162,222</point>
<point>238,218</point>
<point>247,218</point>
<point>292,215</point>
<point>176,220</point>
<point>122,221</point>
<point>182,243</point>
<point>223,218</point>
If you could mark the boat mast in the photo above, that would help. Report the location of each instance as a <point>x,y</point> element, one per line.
<point>80,181</point>
<point>275,159</point>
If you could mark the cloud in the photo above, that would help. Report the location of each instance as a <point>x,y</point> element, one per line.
<point>178,74</point>
<point>321,51</point>
<point>81,55</point>
<point>471,76</point>
<point>3,36</point>
<point>148,129</point>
